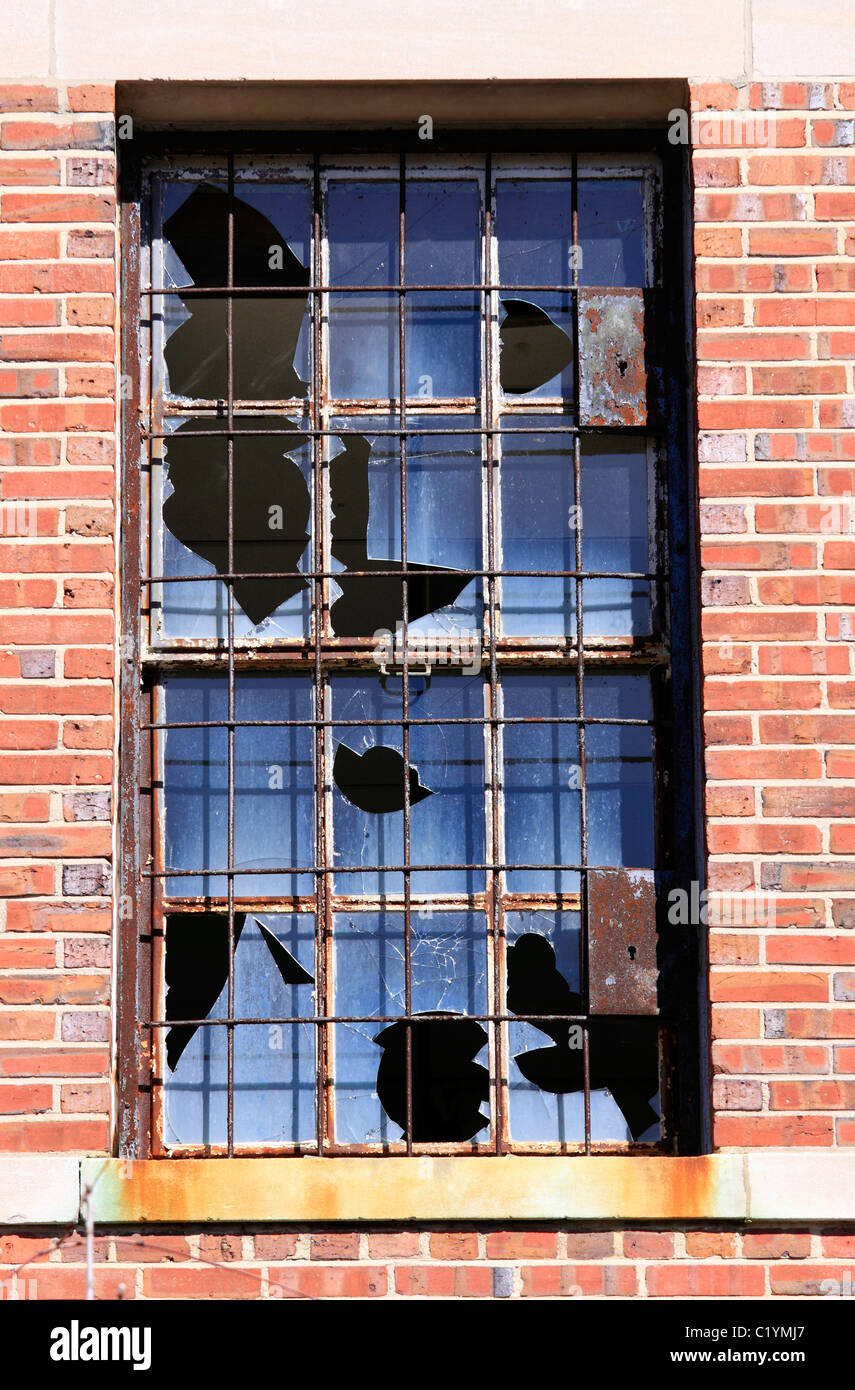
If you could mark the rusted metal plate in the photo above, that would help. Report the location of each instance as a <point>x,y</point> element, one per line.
<point>622,969</point>
<point>612,371</point>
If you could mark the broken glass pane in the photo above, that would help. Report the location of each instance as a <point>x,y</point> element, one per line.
<point>449,972</point>
<point>443,531</point>
<point>535,238</point>
<point>547,1079</point>
<point>443,327</point>
<point>537,530</point>
<point>270,338</point>
<point>446,761</point>
<point>274,786</point>
<point>619,767</point>
<point>615,535</point>
<point>611,232</point>
<point>543,972</point>
<point>363,250</point>
<point>272,529</point>
<point>542,777</point>
<point>274,1064</point>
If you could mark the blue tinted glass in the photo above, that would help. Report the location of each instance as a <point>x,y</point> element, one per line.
<point>444,527</point>
<point>542,779</point>
<point>611,232</point>
<point>274,786</point>
<point>535,238</point>
<point>614,535</point>
<point>448,974</point>
<point>363,250</point>
<point>443,327</point>
<point>537,530</point>
<point>619,765</point>
<point>447,822</point>
<point>274,1064</point>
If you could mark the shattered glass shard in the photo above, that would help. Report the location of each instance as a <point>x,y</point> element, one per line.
<point>290,969</point>
<point>370,603</point>
<point>624,1053</point>
<point>533,348</point>
<point>448,1085</point>
<point>374,780</point>
<point>197,968</point>
<point>271,506</point>
<point>265,332</point>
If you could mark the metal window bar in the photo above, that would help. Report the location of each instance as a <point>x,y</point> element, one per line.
<point>495,899</point>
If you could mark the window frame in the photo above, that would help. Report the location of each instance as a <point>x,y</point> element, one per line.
<point>676,796</point>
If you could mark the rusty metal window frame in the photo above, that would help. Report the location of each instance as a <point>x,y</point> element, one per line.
<point>666,655</point>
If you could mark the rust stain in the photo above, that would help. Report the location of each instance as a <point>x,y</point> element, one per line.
<point>616,1188</point>
<point>613,383</point>
<point>622,968</point>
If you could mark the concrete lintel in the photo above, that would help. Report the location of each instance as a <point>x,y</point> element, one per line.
<point>37,1191</point>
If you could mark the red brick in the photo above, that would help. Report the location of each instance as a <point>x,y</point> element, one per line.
<point>769,1058</point>
<point>66,1283</point>
<point>590,1245</point>
<point>329,1281</point>
<point>89,96</point>
<point>53,1062</point>
<point>768,986</point>
<point>704,1281</point>
<point>812,1095</point>
<point>54,1136</point>
<point>707,1245</point>
<point>19,97</point>
<point>391,1245</point>
<point>275,1247</point>
<point>335,1247</point>
<point>809,1281</point>
<point>578,1281</point>
<point>80,1099</point>
<point>457,1245</point>
<point>522,1245</point>
<point>444,1281</point>
<point>768,1245</point>
<point>773,1131</point>
<point>25,1100</point>
<point>648,1245</point>
<point>51,135</point>
<point>195,1282</point>
<point>149,1247</point>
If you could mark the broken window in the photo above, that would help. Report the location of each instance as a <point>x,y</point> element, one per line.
<point>406,701</point>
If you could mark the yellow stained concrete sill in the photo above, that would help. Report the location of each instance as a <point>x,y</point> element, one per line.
<point>773,1187</point>
<point>784,1188</point>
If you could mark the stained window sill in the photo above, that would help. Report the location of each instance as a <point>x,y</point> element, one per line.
<point>768,1186</point>
<point>756,1186</point>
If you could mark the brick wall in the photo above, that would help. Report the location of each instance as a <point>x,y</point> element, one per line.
<point>57,560</point>
<point>775,231</point>
<point>774,237</point>
<point>569,1262</point>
